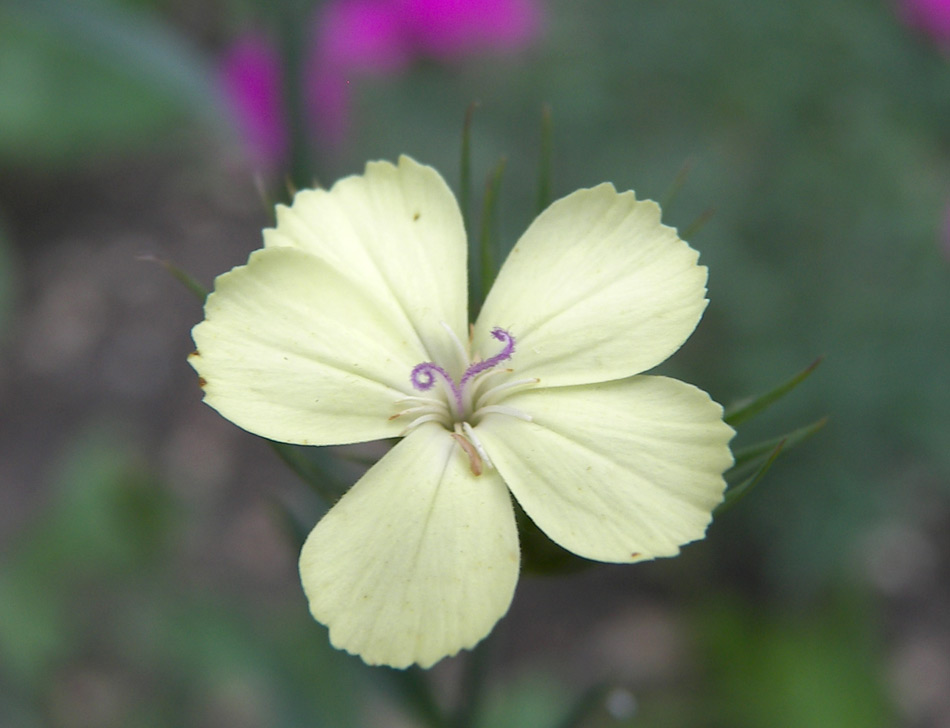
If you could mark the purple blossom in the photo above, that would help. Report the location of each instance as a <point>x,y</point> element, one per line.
<point>250,76</point>
<point>932,17</point>
<point>353,39</point>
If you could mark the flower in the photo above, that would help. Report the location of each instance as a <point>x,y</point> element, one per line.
<point>354,39</point>
<point>351,325</point>
<point>932,17</point>
<point>250,77</point>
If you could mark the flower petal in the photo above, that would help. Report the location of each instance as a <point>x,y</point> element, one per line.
<point>621,471</point>
<point>294,351</point>
<point>596,289</point>
<point>418,560</point>
<point>399,232</point>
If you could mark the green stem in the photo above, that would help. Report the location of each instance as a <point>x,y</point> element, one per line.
<point>293,34</point>
<point>472,685</point>
<point>488,231</point>
<point>465,168</point>
<point>416,693</point>
<point>545,167</point>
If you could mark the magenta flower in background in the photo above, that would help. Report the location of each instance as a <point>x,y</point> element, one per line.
<point>354,39</point>
<point>250,76</point>
<point>931,17</point>
<point>446,29</point>
<point>362,36</point>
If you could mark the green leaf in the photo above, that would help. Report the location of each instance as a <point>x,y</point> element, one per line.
<point>747,456</point>
<point>488,265</point>
<point>545,167</point>
<point>747,409</point>
<point>733,494</point>
<point>789,668</point>
<point>138,43</point>
<point>313,468</point>
<point>698,224</point>
<point>465,168</point>
<point>86,78</point>
<point>678,183</point>
<point>182,276</point>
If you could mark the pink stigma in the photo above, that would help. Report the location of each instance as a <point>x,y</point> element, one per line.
<point>423,375</point>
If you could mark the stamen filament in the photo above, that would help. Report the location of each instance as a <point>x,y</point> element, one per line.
<point>459,348</point>
<point>419,421</point>
<point>476,443</point>
<point>489,393</point>
<point>474,460</point>
<point>503,409</point>
<point>435,407</point>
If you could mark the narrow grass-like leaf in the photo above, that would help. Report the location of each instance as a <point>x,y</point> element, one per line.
<point>486,241</point>
<point>678,183</point>
<point>199,291</point>
<point>288,521</point>
<point>698,224</point>
<point>748,455</point>
<point>293,41</point>
<point>465,168</point>
<point>747,409</point>
<point>545,167</point>
<point>733,494</point>
<point>320,480</point>
<point>472,685</point>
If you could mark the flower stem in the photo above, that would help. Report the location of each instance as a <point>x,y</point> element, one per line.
<point>293,30</point>
<point>472,687</point>
<point>545,174</point>
<point>489,224</point>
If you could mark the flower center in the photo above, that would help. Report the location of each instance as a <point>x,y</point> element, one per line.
<point>465,401</point>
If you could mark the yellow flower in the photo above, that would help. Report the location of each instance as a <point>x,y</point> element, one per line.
<point>351,325</point>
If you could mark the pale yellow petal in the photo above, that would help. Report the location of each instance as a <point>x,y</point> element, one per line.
<point>292,350</point>
<point>596,289</point>
<point>418,560</point>
<point>620,471</point>
<point>398,231</point>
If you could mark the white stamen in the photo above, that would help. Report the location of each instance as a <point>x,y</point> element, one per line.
<point>459,348</point>
<point>476,443</point>
<point>435,408</point>
<point>418,421</point>
<point>503,409</point>
<point>489,393</point>
<point>420,400</point>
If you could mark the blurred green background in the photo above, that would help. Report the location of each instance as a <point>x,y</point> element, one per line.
<point>147,576</point>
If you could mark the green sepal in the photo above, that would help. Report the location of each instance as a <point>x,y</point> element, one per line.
<point>749,408</point>
<point>733,494</point>
<point>312,466</point>
<point>747,457</point>
<point>758,458</point>
<point>182,276</point>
